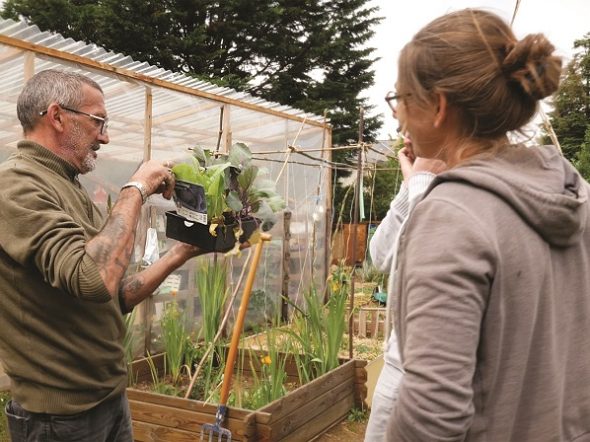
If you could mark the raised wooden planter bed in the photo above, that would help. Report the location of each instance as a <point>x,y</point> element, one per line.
<point>314,408</point>
<point>303,414</point>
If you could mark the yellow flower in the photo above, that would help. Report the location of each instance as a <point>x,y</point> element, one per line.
<point>266,360</point>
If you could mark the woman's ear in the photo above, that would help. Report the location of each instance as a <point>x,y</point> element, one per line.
<point>441,110</point>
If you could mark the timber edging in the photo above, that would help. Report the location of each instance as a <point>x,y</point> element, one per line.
<point>303,414</point>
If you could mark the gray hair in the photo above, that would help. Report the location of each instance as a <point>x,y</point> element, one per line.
<point>46,87</point>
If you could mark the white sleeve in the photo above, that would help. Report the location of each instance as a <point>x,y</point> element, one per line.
<point>417,185</point>
<point>383,243</point>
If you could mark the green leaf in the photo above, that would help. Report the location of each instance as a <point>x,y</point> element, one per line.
<point>276,203</point>
<point>233,201</point>
<point>200,156</point>
<point>216,195</point>
<point>239,155</point>
<point>185,172</point>
<point>265,184</point>
<point>247,177</point>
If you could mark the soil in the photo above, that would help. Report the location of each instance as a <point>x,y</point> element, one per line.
<point>345,431</point>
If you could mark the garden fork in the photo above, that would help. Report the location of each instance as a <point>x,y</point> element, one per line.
<point>216,428</point>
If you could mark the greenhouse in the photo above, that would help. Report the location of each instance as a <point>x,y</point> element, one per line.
<point>160,114</point>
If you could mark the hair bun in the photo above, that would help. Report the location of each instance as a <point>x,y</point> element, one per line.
<point>530,64</point>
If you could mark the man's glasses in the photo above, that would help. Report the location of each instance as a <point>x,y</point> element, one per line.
<point>104,122</point>
<point>392,97</point>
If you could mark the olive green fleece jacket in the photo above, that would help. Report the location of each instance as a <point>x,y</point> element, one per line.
<point>493,312</point>
<point>61,332</point>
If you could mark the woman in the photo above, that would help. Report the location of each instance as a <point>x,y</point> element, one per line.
<point>493,306</point>
<point>417,174</point>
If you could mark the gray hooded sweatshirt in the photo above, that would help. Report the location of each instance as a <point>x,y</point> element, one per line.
<point>493,312</point>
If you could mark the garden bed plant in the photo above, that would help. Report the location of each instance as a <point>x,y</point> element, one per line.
<point>222,199</point>
<point>296,385</point>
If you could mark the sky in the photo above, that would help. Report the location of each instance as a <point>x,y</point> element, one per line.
<point>561,21</point>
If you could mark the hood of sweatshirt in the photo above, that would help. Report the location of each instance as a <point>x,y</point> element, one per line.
<point>538,183</point>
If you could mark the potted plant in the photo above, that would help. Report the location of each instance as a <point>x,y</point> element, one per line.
<point>221,198</point>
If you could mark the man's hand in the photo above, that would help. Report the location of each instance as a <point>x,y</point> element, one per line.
<point>157,177</point>
<point>185,251</point>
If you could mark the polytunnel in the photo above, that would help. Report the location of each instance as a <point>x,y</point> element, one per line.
<point>156,113</point>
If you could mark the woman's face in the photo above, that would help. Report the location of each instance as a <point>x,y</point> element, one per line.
<point>417,122</point>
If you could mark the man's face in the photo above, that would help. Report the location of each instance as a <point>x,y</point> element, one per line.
<point>83,136</point>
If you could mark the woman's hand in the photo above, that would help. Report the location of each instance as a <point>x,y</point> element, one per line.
<point>410,164</point>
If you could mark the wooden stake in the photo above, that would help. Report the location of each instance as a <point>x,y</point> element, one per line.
<point>355,215</point>
<point>286,261</point>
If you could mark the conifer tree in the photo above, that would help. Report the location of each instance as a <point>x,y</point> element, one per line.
<point>310,55</point>
<point>571,115</point>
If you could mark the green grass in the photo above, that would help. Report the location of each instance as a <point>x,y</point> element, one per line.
<point>4,398</point>
<point>174,337</point>
<point>358,415</point>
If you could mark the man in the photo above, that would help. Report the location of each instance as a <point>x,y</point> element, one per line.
<point>63,290</point>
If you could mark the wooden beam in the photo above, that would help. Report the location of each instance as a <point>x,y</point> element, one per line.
<point>147,127</point>
<point>226,136</point>
<point>87,62</point>
<point>29,68</point>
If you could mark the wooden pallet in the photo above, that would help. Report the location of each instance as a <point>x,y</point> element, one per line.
<point>369,322</point>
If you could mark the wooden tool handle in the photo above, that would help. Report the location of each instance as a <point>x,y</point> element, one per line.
<point>235,339</point>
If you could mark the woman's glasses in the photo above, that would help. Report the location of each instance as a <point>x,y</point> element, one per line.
<point>392,97</point>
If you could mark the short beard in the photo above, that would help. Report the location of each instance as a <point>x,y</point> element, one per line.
<point>73,143</point>
<point>89,164</point>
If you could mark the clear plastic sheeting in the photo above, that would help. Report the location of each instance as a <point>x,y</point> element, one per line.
<point>154,113</point>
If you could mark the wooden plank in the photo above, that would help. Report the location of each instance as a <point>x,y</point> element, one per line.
<point>374,322</point>
<point>369,322</point>
<point>295,421</point>
<point>360,363</point>
<point>360,383</point>
<point>186,420</point>
<point>322,422</point>
<point>29,67</point>
<point>373,371</point>
<point>146,432</point>
<point>362,323</point>
<point>300,397</point>
<point>249,359</point>
<point>147,124</point>
<point>226,135</point>
<point>184,404</point>
<point>140,368</point>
